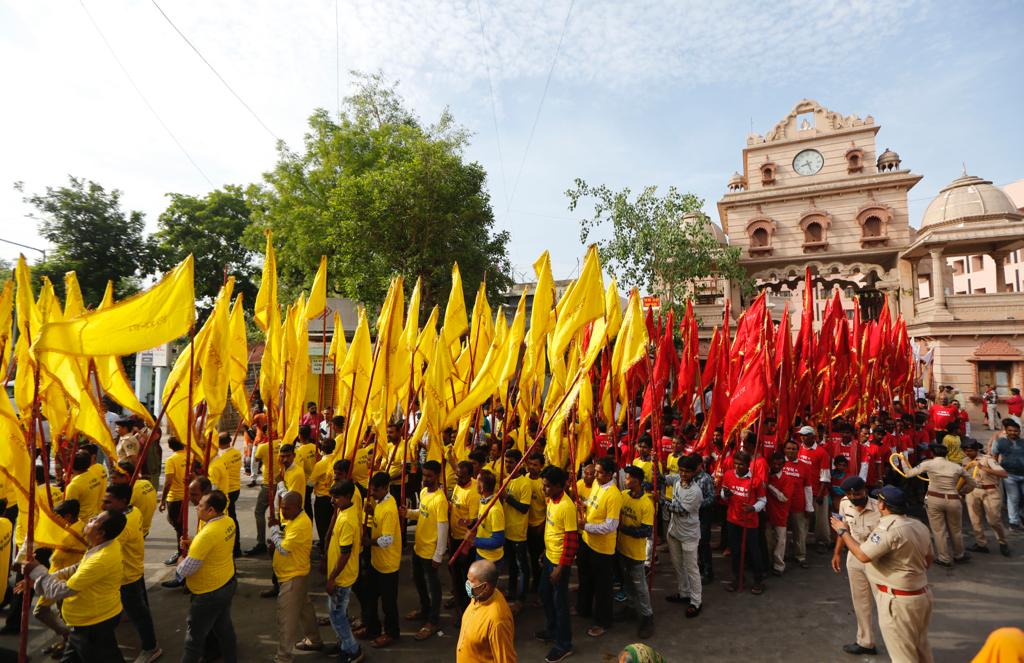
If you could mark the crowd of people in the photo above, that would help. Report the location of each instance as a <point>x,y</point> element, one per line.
<point>496,524</point>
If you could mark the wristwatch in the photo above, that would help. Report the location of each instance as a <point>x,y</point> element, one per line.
<point>842,532</point>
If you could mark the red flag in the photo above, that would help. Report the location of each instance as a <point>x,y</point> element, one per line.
<point>785,394</point>
<point>665,362</point>
<point>749,396</point>
<point>688,377</point>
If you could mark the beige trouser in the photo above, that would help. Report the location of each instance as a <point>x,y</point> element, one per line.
<point>946,519</point>
<point>776,537</point>
<point>684,563</point>
<point>798,525</point>
<point>986,504</point>
<point>822,530</point>
<point>903,621</point>
<point>863,596</point>
<point>294,613</point>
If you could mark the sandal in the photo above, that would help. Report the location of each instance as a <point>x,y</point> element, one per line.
<point>425,632</point>
<point>730,586</point>
<point>692,611</point>
<point>323,621</point>
<point>382,641</point>
<point>757,589</point>
<point>595,631</point>
<point>307,645</point>
<point>416,616</point>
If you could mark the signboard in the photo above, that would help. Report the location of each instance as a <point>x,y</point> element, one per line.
<point>162,355</point>
<point>145,358</point>
<point>316,366</point>
<point>651,302</point>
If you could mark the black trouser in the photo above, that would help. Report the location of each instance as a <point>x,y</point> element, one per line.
<point>535,547</point>
<point>42,555</point>
<point>174,518</point>
<point>704,547</point>
<point>428,586</point>
<point>460,571</point>
<point>383,587</point>
<point>363,590</point>
<point>322,512</point>
<point>136,606</point>
<point>97,642</point>
<point>209,619</point>
<point>518,556</point>
<point>595,593</point>
<point>307,503</point>
<point>233,512</point>
<point>752,551</point>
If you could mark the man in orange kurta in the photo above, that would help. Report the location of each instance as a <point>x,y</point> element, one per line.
<point>487,627</point>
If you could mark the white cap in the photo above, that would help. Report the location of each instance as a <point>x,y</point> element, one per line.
<point>806,430</point>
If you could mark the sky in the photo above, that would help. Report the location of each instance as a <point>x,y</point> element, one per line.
<point>628,94</point>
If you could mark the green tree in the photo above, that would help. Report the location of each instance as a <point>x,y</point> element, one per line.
<point>659,244</point>
<point>6,271</point>
<point>92,235</point>
<point>211,229</point>
<point>381,194</point>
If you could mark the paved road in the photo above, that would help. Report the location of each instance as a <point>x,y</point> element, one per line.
<point>803,616</point>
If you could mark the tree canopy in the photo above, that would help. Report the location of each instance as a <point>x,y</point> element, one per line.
<point>92,235</point>
<point>653,244</point>
<point>211,229</point>
<point>381,194</point>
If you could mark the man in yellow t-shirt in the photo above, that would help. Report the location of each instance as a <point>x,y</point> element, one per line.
<point>68,554</point>
<point>636,524</point>
<point>535,517</point>
<point>90,591</point>
<point>517,508</point>
<point>343,565</point>
<point>322,478</point>
<point>305,455</point>
<point>265,457</point>
<point>428,548</point>
<point>209,572</point>
<point>489,538</point>
<point>231,460</point>
<point>133,554</point>
<point>600,518</point>
<point>645,461</point>
<point>292,476</point>
<point>560,544</point>
<point>384,543</point>
<point>465,508</point>
<point>98,470</point>
<point>585,484</point>
<point>174,490</point>
<point>84,486</point>
<point>292,540</point>
<point>143,493</point>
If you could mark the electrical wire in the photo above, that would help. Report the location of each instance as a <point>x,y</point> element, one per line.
<point>540,107</point>
<point>215,72</point>
<point>142,96</point>
<point>337,58</point>
<point>494,111</point>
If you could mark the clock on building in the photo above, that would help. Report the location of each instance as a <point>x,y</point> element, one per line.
<point>808,162</point>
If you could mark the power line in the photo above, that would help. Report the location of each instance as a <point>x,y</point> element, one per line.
<point>494,111</point>
<point>337,58</point>
<point>536,119</point>
<point>215,72</point>
<point>141,95</point>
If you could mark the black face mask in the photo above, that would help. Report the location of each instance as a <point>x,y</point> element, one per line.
<point>859,501</point>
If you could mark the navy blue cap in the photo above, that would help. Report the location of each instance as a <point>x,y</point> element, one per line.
<point>891,495</point>
<point>852,483</point>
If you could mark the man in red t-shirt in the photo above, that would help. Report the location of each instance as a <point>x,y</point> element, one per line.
<point>745,498</point>
<point>819,463</point>
<point>841,443</point>
<point>769,437</point>
<point>939,416</point>
<point>803,500</point>
<point>782,492</point>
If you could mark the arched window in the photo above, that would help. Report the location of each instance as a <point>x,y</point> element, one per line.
<point>815,223</point>
<point>813,233</point>
<point>761,232</point>
<point>872,227</point>
<point>874,219</point>
<point>759,238</point>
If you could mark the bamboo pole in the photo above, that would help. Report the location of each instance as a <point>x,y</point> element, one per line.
<point>188,436</point>
<point>153,434</point>
<point>26,602</point>
<point>323,360</point>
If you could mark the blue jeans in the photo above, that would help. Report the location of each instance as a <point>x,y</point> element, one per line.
<point>1014,485</point>
<point>337,609</point>
<point>555,598</point>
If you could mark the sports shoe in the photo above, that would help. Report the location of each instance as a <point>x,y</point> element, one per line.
<point>172,560</point>
<point>857,650</point>
<point>149,655</point>
<point>978,549</point>
<point>620,596</point>
<point>556,655</point>
<point>258,549</point>
<point>1004,549</point>
<point>173,583</point>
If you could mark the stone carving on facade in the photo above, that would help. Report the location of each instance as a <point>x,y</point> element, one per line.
<point>761,231</point>
<point>825,121</point>
<point>874,218</point>
<point>815,223</point>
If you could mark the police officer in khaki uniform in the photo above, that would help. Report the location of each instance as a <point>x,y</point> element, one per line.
<point>985,502</point>
<point>860,515</point>
<point>896,557</point>
<point>945,511</point>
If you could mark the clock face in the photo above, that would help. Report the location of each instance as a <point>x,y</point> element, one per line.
<point>808,162</point>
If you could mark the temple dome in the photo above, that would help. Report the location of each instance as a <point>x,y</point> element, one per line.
<point>967,197</point>
<point>709,225</point>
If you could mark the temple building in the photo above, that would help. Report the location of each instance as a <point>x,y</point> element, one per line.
<point>816,191</point>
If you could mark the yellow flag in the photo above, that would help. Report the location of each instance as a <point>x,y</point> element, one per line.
<point>239,370</point>
<point>336,353</point>
<point>108,295</point>
<point>485,383</point>
<point>270,365</point>
<point>426,341</point>
<point>584,303</point>
<point>29,323</point>
<point>514,344</point>
<point>355,374</point>
<point>295,363</point>
<point>393,358</point>
<point>455,320</point>
<point>481,331</point>
<point>630,347</point>
<point>161,314</point>
<point>73,304</point>
<point>317,302</point>
<point>532,377</point>
<point>437,387</point>
<point>217,359</point>
<point>612,310</point>
<point>266,297</point>
<point>6,322</point>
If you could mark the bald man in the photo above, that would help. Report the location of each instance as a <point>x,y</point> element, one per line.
<point>487,627</point>
<point>292,539</point>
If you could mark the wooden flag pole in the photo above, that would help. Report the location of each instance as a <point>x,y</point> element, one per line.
<point>188,436</point>
<point>153,435</point>
<point>26,601</point>
<point>323,360</point>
